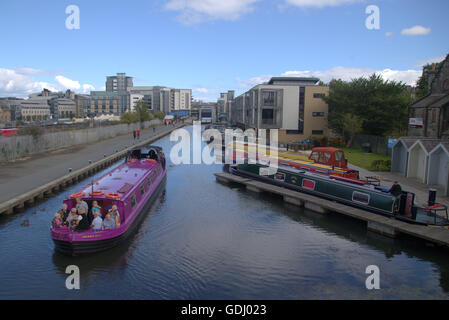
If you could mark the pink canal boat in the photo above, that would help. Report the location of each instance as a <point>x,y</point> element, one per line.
<point>132,187</point>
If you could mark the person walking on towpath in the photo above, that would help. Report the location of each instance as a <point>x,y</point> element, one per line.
<point>134,134</point>
<point>138,134</point>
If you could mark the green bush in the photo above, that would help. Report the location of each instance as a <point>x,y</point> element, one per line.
<point>31,130</point>
<point>381,165</point>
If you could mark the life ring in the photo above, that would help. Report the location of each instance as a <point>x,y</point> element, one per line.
<point>113,195</point>
<point>132,160</point>
<point>77,195</point>
<point>96,193</point>
<point>151,160</point>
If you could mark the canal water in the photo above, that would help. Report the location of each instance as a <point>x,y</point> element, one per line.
<point>206,240</point>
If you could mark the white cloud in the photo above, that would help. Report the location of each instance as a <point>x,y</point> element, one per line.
<point>388,34</point>
<point>68,83</point>
<point>406,76</point>
<point>196,11</point>
<point>21,82</point>
<point>13,83</point>
<point>320,3</point>
<point>415,31</point>
<point>251,82</point>
<point>201,90</point>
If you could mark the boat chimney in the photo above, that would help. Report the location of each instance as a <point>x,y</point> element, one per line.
<point>432,197</point>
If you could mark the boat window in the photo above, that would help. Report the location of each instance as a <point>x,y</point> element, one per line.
<point>308,184</point>
<point>149,181</point>
<point>142,189</point>
<point>359,197</point>
<point>325,156</point>
<point>315,156</point>
<point>338,156</point>
<point>279,176</point>
<point>133,200</point>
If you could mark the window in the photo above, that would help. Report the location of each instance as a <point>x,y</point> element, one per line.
<point>133,200</point>
<point>317,114</point>
<point>359,197</point>
<point>317,131</point>
<point>302,91</point>
<point>292,132</point>
<point>268,98</point>
<point>338,156</point>
<point>279,176</point>
<point>149,181</point>
<point>315,156</point>
<point>324,157</point>
<point>267,116</point>
<point>142,189</point>
<point>319,95</point>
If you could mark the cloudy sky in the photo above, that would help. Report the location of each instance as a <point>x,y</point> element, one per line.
<point>211,46</point>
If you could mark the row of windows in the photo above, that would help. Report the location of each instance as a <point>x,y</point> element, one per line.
<point>143,190</point>
<point>317,114</point>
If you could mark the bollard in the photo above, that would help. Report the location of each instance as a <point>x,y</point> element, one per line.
<point>432,197</point>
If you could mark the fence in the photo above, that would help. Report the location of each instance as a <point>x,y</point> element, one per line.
<point>21,146</point>
<point>378,144</point>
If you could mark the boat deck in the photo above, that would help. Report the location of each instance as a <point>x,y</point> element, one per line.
<point>377,223</point>
<point>122,178</point>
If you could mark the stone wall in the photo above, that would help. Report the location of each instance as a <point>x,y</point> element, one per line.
<point>17,147</point>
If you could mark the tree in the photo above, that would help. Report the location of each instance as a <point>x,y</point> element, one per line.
<point>142,111</point>
<point>381,106</point>
<point>129,117</point>
<point>159,115</point>
<point>352,124</point>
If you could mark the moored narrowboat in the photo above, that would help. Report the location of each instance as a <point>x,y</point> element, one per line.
<point>353,192</point>
<point>132,187</point>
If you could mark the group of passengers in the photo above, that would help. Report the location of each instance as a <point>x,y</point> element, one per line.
<point>81,219</point>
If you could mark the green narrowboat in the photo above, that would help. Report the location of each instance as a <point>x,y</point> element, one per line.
<point>353,192</point>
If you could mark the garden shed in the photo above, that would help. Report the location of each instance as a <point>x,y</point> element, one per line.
<point>438,171</point>
<point>417,166</point>
<point>399,155</point>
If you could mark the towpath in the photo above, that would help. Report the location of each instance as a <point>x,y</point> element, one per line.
<point>27,174</point>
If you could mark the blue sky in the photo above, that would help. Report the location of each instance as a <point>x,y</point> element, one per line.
<point>211,46</point>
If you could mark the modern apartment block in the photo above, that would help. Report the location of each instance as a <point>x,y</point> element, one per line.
<point>224,101</point>
<point>118,83</point>
<point>103,102</point>
<point>293,105</point>
<point>33,109</point>
<point>161,98</point>
<point>63,108</point>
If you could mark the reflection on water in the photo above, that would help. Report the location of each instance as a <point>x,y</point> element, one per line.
<point>205,240</point>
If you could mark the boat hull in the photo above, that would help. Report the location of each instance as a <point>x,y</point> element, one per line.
<point>77,248</point>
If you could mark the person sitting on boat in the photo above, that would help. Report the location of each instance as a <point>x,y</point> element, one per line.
<point>108,222</point>
<point>115,214</point>
<point>57,221</point>
<point>395,189</point>
<point>82,204</point>
<point>83,223</point>
<point>97,223</point>
<point>73,219</point>
<point>95,208</point>
<point>65,212</point>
